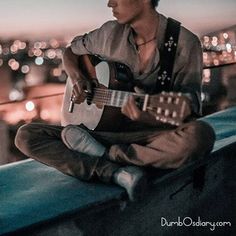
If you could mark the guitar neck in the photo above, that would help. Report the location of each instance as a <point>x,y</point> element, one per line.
<point>169,107</point>
<point>115,98</point>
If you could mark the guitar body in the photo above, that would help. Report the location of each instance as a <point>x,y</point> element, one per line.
<point>115,87</point>
<point>102,118</point>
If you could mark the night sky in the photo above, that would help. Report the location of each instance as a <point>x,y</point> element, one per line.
<point>33,17</point>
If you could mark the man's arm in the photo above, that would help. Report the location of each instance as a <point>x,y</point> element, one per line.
<point>79,81</point>
<point>90,43</point>
<point>70,61</point>
<point>188,72</point>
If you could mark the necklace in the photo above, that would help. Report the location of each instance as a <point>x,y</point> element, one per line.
<point>138,45</point>
<point>144,43</point>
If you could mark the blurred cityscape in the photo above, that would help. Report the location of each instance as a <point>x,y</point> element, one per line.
<point>219,75</point>
<point>32,82</point>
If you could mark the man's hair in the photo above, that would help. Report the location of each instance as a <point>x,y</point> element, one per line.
<point>154,3</point>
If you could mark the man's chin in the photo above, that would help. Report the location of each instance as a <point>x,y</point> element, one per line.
<point>120,21</point>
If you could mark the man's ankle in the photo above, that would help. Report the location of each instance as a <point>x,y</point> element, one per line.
<point>133,179</point>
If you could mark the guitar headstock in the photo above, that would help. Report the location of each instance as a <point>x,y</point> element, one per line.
<point>169,107</point>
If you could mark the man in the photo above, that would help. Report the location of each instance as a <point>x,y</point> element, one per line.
<point>134,39</point>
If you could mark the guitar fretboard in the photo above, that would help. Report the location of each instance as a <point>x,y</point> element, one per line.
<point>113,98</point>
<point>169,107</point>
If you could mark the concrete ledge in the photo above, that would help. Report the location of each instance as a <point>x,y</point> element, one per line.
<point>38,200</point>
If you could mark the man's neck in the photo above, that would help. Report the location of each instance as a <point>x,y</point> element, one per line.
<point>146,27</point>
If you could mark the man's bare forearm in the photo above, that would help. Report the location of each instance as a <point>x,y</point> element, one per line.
<point>70,62</point>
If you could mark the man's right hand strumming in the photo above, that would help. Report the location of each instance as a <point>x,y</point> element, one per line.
<point>82,86</point>
<point>81,89</point>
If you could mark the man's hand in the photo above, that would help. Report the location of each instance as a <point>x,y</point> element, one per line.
<point>131,110</point>
<point>82,86</point>
<point>81,89</point>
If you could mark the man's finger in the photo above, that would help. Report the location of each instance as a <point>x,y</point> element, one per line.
<point>88,88</point>
<point>134,110</point>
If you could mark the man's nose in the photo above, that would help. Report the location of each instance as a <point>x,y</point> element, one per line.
<point>111,3</point>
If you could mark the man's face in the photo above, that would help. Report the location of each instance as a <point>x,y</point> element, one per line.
<point>126,11</point>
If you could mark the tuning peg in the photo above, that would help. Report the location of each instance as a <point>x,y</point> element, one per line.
<point>164,120</point>
<point>167,112</point>
<point>159,110</point>
<point>177,101</point>
<point>169,100</point>
<point>174,114</point>
<point>161,99</point>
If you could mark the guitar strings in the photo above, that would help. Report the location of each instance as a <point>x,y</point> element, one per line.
<point>105,94</point>
<point>117,98</point>
<point>104,97</point>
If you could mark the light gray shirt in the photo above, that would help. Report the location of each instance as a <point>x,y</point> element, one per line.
<point>115,42</point>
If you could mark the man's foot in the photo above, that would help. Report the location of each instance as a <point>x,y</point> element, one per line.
<point>79,140</point>
<point>133,179</point>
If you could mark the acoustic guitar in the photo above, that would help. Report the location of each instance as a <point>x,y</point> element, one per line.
<point>102,110</point>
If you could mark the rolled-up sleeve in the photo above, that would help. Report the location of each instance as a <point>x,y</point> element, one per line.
<point>93,42</point>
<point>78,46</point>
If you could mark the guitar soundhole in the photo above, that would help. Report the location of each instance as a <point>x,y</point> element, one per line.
<point>123,73</point>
